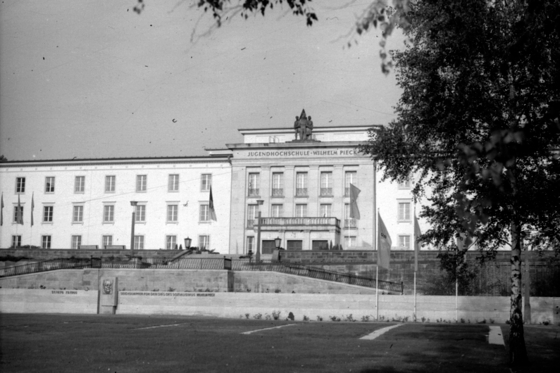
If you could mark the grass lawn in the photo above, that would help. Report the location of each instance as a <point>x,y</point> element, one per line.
<point>80,343</point>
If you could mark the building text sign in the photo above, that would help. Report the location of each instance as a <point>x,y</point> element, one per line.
<point>292,153</point>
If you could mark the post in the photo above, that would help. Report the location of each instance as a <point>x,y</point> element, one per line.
<point>258,256</point>
<point>377,292</point>
<point>133,204</point>
<point>414,295</point>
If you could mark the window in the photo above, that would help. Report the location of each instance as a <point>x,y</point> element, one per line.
<point>46,242</point>
<point>173,183</point>
<point>172,213</point>
<point>110,184</point>
<point>138,242</point>
<point>326,184</point>
<point>325,210</point>
<point>348,221</point>
<point>251,215</point>
<point>404,242</point>
<point>277,211</point>
<point>404,211</point>
<point>16,241</point>
<point>253,190</point>
<point>204,242</point>
<point>18,214</point>
<point>301,184</point>
<point>78,214</point>
<point>79,184</point>
<point>107,240</point>
<point>76,242</point>
<point>20,185</point>
<point>405,184</point>
<point>250,244</point>
<point>48,214</point>
<point>141,183</point>
<point>170,242</point>
<point>140,214</point>
<point>205,182</point>
<point>301,211</point>
<point>109,214</point>
<point>350,177</point>
<point>204,213</point>
<point>350,241</point>
<point>277,184</point>
<point>49,184</point>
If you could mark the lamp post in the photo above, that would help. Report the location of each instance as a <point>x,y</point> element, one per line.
<point>277,242</point>
<point>187,243</point>
<point>258,256</point>
<point>133,204</point>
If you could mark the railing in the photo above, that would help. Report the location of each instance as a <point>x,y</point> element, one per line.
<point>300,221</point>
<point>47,265</point>
<point>193,263</point>
<point>277,192</point>
<point>253,192</point>
<point>385,286</point>
<point>350,223</point>
<point>326,192</point>
<point>301,192</point>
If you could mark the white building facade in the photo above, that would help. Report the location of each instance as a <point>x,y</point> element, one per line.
<point>300,188</point>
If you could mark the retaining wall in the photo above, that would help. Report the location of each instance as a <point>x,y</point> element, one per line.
<point>48,301</point>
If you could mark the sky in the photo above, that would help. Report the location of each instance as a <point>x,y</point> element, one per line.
<point>93,79</point>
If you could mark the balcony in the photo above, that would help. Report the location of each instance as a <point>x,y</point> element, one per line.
<point>253,192</point>
<point>301,192</point>
<point>312,223</point>
<point>277,192</point>
<point>326,192</point>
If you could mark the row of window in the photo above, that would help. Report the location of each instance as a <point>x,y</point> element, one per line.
<point>301,186</point>
<point>268,246</point>
<point>171,242</point>
<point>325,211</point>
<point>111,182</point>
<point>172,215</point>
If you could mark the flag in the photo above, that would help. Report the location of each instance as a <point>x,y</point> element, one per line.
<point>211,206</point>
<point>417,233</point>
<point>32,207</point>
<point>384,249</point>
<point>19,213</point>
<point>354,192</point>
<point>2,210</point>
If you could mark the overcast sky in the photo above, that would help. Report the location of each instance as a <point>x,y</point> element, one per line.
<point>93,79</point>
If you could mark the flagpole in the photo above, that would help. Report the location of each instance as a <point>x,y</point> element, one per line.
<point>377,266</point>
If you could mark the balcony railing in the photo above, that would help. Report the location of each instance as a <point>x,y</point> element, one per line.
<point>253,192</point>
<point>326,192</point>
<point>282,222</point>
<point>301,192</point>
<point>350,223</point>
<point>277,192</point>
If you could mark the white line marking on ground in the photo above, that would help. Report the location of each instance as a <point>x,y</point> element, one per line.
<point>380,332</point>
<point>495,337</point>
<point>158,326</point>
<point>260,330</point>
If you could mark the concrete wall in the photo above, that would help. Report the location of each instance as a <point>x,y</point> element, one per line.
<point>48,301</point>
<point>129,279</point>
<point>235,305</point>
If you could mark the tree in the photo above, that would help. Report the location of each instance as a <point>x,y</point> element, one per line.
<point>478,122</point>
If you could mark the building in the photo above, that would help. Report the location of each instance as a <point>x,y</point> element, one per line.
<point>300,184</point>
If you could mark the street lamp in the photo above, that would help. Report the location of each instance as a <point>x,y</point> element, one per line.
<point>133,204</point>
<point>277,242</point>
<point>187,243</point>
<point>258,256</point>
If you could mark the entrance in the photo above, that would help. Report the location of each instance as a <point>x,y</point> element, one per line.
<point>268,246</point>
<point>320,245</point>
<point>295,245</point>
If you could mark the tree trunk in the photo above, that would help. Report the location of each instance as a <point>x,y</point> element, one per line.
<point>517,350</point>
